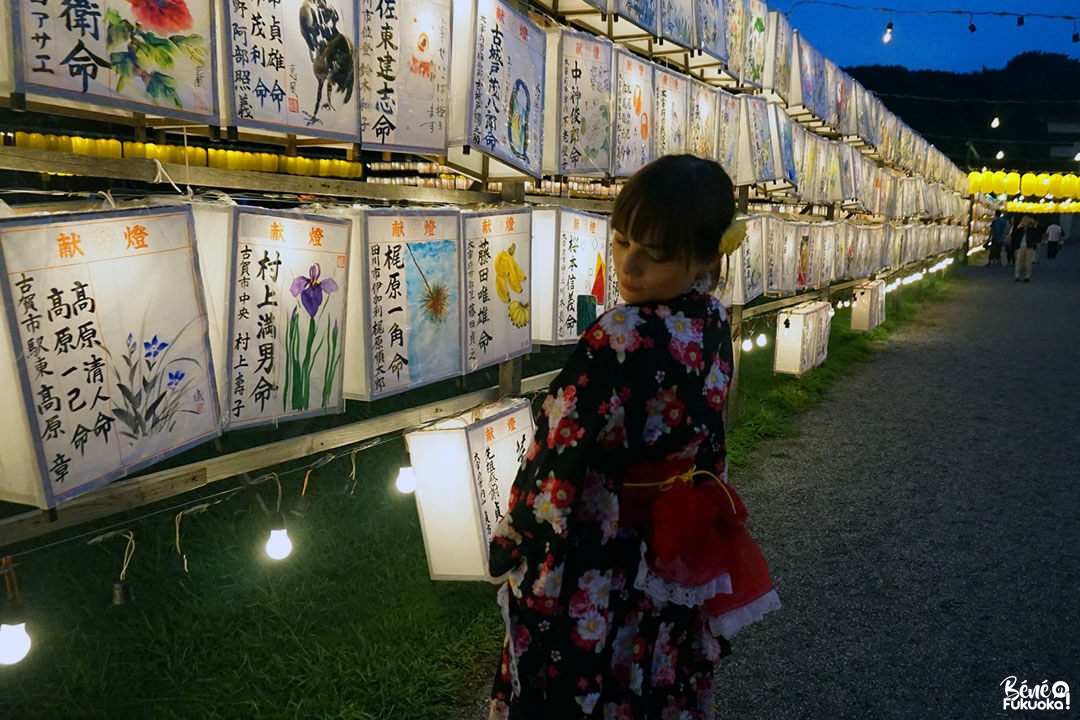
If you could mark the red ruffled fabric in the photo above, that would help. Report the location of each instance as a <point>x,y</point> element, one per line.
<point>694,533</point>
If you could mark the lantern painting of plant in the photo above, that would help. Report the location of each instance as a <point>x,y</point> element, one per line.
<point>302,347</point>
<point>154,386</point>
<point>146,48</point>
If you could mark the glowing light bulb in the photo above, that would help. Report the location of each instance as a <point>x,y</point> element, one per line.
<point>747,345</point>
<point>761,340</point>
<point>406,480</point>
<point>887,37</point>
<point>14,643</point>
<point>996,122</point>
<point>279,546</point>
<point>1000,154</point>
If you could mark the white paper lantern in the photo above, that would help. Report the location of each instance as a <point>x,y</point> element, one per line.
<point>745,278</point>
<point>671,112</point>
<point>107,350</point>
<point>499,114</point>
<point>571,284</point>
<point>62,51</point>
<point>410,318</point>
<point>579,126</point>
<point>779,45</point>
<point>464,468</point>
<point>404,61</point>
<point>288,296</point>
<point>635,103</point>
<point>802,334</point>
<point>498,281</point>
<point>305,80</point>
<point>869,309</point>
<point>701,131</point>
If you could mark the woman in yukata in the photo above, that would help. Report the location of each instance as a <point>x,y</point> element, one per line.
<point>627,563</point>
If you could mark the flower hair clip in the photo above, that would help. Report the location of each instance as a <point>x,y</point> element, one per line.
<point>732,237</point>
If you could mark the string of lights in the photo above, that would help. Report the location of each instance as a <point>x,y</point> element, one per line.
<point>971,14</point>
<point>911,11</point>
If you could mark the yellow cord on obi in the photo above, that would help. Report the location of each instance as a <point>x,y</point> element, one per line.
<point>688,478</point>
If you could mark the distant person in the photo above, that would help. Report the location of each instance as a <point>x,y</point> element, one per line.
<point>1025,239</point>
<point>1054,236</point>
<point>1010,253</point>
<point>999,237</point>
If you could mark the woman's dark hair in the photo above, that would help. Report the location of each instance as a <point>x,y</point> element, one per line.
<point>679,204</point>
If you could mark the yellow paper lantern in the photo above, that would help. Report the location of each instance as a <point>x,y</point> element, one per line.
<point>1012,183</point>
<point>974,179</point>
<point>999,182</point>
<point>1068,185</point>
<point>1054,187</point>
<point>1027,184</point>
<point>986,182</point>
<point>1042,184</point>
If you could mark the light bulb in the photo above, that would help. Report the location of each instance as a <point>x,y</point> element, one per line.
<point>785,332</point>
<point>406,480</point>
<point>887,37</point>
<point>747,345</point>
<point>1000,154</point>
<point>14,643</point>
<point>761,340</point>
<point>996,122</point>
<point>279,545</point>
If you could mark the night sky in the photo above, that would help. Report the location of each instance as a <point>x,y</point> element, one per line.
<point>851,37</point>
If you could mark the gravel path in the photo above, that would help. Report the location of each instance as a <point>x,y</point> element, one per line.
<point>924,528</point>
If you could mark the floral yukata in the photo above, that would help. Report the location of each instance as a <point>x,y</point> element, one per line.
<point>607,603</point>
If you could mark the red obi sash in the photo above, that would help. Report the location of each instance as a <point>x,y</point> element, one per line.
<point>693,525</point>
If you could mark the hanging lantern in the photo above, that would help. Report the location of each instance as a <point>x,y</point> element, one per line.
<point>464,468</point>
<point>1012,183</point>
<point>869,312</point>
<point>1069,186</point>
<point>1027,184</point>
<point>999,182</point>
<point>1054,185</point>
<point>986,182</point>
<point>1042,184</point>
<point>974,180</point>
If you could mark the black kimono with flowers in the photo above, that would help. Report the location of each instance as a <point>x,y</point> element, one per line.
<point>646,383</point>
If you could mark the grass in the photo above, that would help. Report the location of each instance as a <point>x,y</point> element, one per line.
<point>349,627</point>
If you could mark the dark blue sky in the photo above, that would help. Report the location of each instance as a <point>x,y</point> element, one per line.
<point>932,42</point>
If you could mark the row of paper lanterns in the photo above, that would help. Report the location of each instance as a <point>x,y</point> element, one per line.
<point>1043,208</point>
<point>1029,184</point>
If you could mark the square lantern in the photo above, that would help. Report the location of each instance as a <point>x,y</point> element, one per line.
<point>570,285</point>
<point>497,117</point>
<point>114,57</point>
<point>107,350</point>
<point>779,46</point>
<point>781,135</point>
<point>635,102</point>
<point>755,37</point>
<point>498,281</point>
<point>579,131</point>
<point>781,248</point>
<point>868,305</point>
<point>291,67</point>
<point>744,277</point>
<point>677,22</point>
<point>671,112</point>
<point>288,295</point>
<point>729,131</point>
<point>756,161</point>
<point>802,334</point>
<point>464,469</point>
<point>404,59</point>
<point>710,18</point>
<point>701,129</point>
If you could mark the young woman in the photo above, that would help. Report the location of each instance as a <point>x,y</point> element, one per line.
<point>627,563</point>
